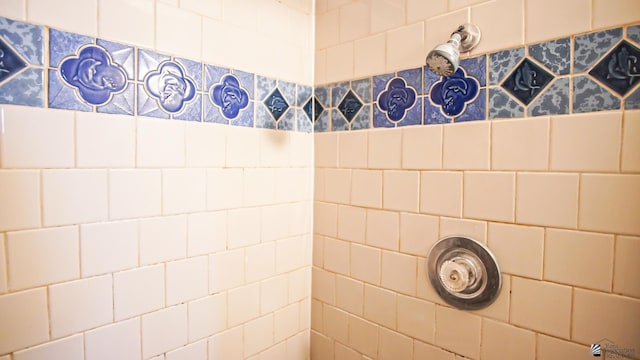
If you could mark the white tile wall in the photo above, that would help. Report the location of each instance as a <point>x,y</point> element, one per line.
<point>25,319</point>
<point>164,330</point>
<point>99,342</point>
<point>74,196</point>
<point>71,348</point>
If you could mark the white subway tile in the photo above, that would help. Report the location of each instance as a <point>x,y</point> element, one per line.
<point>569,17</point>
<point>301,145</point>
<point>99,343</point>
<point>105,140</point>
<point>340,62</point>
<point>260,261</point>
<point>323,286</point>
<point>365,264</point>
<point>259,186</point>
<point>606,13</point>
<point>290,254</point>
<point>422,147</point>
<point>161,143</point>
<point>71,348</point>
<point>207,316</point>
<point>226,345</point>
<point>243,304</point>
<point>419,10</point>
<point>606,205</point>
<point>134,193</point>
<point>25,320</point>
<point>351,223</point>
<point>518,249</point>
<point>224,188</point>
<point>238,233</point>
<point>41,257</point>
<point>416,318</point>
<point>163,239</point>
<point>187,279</point>
<point>286,322</point>
<point>363,336</point>
<point>393,345</point>
<point>206,233</point>
<point>13,9</point>
<point>401,190</point>
<point>243,147</point>
<point>353,149</point>
<point>418,233</point>
<point>467,146</point>
<point>631,142</point>
<point>354,21</point>
<point>74,196</point>
<point>337,189</point>
<point>50,146</point>
<point>366,188</point>
<point>320,67</point>
<point>500,341</point>
<point>383,229</point>
<point>552,348</point>
<point>378,306</point>
<point>127,21</point>
<point>441,193</point>
<point>368,56</point>
<point>458,331</point>
<point>325,149</point>
<point>626,266</point>
<point>472,228</point>
<point>327,29</point>
<point>385,149</point>
<point>19,200</point>
<point>138,291</point>
<point>399,272</point>
<point>3,266</point>
<point>80,305</point>
<point>521,144</point>
<point>508,32</point>
<point>547,199</point>
<point>173,27</point>
<point>541,306</point>
<point>208,8</point>
<point>300,284</point>
<point>205,144</point>
<point>335,323</point>
<point>350,295</point>
<point>336,256</point>
<point>275,149</point>
<point>275,222</point>
<point>195,351</point>
<point>387,14</point>
<point>226,270</point>
<point>278,351</point>
<point>274,294</point>
<point>405,47</point>
<point>489,195</point>
<point>164,330</point>
<point>258,335</point>
<point>49,12</point>
<point>183,190</point>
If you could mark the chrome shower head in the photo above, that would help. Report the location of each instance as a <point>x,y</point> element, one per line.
<point>444,59</point>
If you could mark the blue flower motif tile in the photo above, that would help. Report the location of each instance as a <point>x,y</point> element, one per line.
<point>363,89</point>
<point>349,106</point>
<point>264,119</point>
<point>633,32</point>
<point>396,99</point>
<point>10,62</point>
<point>276,104</point>
<point>303,123</point>
<point>192,110</point>
<point>229,96</point>
<point>62,96</point>
<point>321,123</point>
<point>25,88</point>
<point>589,48</point>
<point>453,93</point>
<point>588,96</point>
<point>170,86</point>
<point>380,84</point>
<point>501,105</point>
<point>620,69</point>
<point>246,118</point>
<point>149,61</point>
<point>476,109</point>
<point>148,106</point>
<point>247,81</point>
<point>212,112</point>
<point>429,79</point>
<point>433,115</point>
<point>122,55</point>
<point>414,114</point>
<point>553,101</point>
<point>338,91</point>
<point>338,122</point>
<point>633,101</point>
<point>63,44</point>
<point>121,103</point>
<point>555,55</point>
<point>380,119</point>
<point>363,119</point>
<point>26,39</point>
<point>527,81</point>
<point>303,95</point>
<point>213,75</point>
<point>264,87</point>
<point>413,78</point>
<point>288,121</point>
<point>94,75</point>
<point>322,94</point>
<point>502,62</point>
<point>476,67</point>
<point>193,70</point>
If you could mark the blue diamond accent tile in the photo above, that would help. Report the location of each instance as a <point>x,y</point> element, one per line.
<point>413,78</point>
<point>62,96</point>
<point>555,55</point>
<point>501,63</point>
<point>338,91</point>
<point>527,81</point>
<point>121,54</point>
<point>476,67</point>
<point>149,61</point>
<point>380,84</point>
<point>433,115</point>
<point>26,88</point>
<point>322,94</point>
<point>633,101</point>
<point>264,119</point>
<point>120,103</point>
<point>362,88</point>
<point>338,122</point>
<point>321,124</point>
<point>264,87</point>
<point>349,106</point>
<point>276,104</point>
<point>588,96</point>
<point>26,39</point>
<point>10,62</point>
<point>588,48</point>
<point>313,108</point>
<point>396,99</point>
<point>288,121</point>
<point>476,109</point>
<point>303,123</point>
<point>453,93</point>
<point>63,44</point>
<point>363,119</point>
<point>620,69</point>
<point>502,106</point>
<point>553,101</point>
<point>633,32</point>
<point>303,95</point>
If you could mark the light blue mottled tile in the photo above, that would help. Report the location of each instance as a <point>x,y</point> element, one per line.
<point>589,48</point>
<point>247,81</point>
<point>556,55</point>
<point>322,93</point>
<point>213,74</point>
<point>338,122</point>
<point>413,78</point>
<point>362,87</point>
<point>149,61</point>
<point>62,96</point>
<point>588,96</point>
<point>288,121</point>
<point>147,106</point>
<point>26,88</point>
<point>26,39</point>
<point>380,119</point>
<point>501,63</point>
<point>264,119</point>
<point>429,79</point>
<point>502,105</point>
<point>337,93</point>
<point>246,117</point>
<point>476,110</point>
<point>303,94</point>
<point>476,67</point>
<point>363,119</point>
<point>380,83</point>
<point>322,123</point>
<point>288,90</point>
<point>122,55</point>
<point>264,86</point>
<point>122,103</point>
<point>303,124</point>
<point>193,70</point>
<point>212,113</point>
<point>192,111</point>
<point>553,101</point>
<point>633,32</point>
<point>433,115</point>
<point>62,44</point>
<point>633,100</point>
<point>414,114</point>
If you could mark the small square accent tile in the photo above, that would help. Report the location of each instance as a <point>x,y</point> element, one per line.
<point>590,47</point>
<point>303,94</point>
<point>620,69</point>
<point>433,115</point>
<point>527,81</point>
<point>453,93</point>
<point>476,109</point>
<point>501,105</point>
<point>555,55</point>
<point>26,39</point>
<point>350,106</point>
<point>122,55</point>
<point>501,63</point>
<point>476,67</point>
<point>589,96</point>
<point>338,91</point>
<point>553,101</point>
<point>62,96</point>
<point>276,104</point>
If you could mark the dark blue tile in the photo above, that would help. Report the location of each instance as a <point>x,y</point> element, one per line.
<point>62,96</point>
<point>26,88</point>
<point>362,88</point>
<point>322,93</point>
<point>264,87</point>
<point>26,39</point>
<point>633,100</point>
<point>11,62</point>
<point>527,81</point>
<point>62,44</point>
<point>619,69</point>
<point>555,55</point>
<point>363,119</point>
<point>588,96</point>
<point>589,48</point>
<point>122,55</point>
<point>453,93</point>
<point>122,103</point>
<point>413,78</point>
<point>380,84</point>
<point>276,104</point>
<point>229,96</point>
<point>338,91</point>
<point>476,109</point>
<point>501,105</point>
<point>264,119</point>
<point>192,111</point>
<point>338,122</point>
<point>476,67</point>
<point>414,114</point>
<point>380,119</point>
<point>501,63</point>
<point>396,99</point>
<point>553,101</point>
<point>350,105</point>
<point>633,32</point>
<point>429,79</point>
<point>149,61</point>
<point>432,114</point>
<point>147,106</point>
<point>303,123</point>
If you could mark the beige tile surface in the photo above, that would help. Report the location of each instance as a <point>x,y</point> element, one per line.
<point>626,266</point>
<point>605,205</point>
<point>547,199</point>
<point>441,193</point>
<point>521,144</point>
<point>416,318</point>
<point>458,331</point>
<point>366,188</point>
<point>489,195</point>
<point>353,149</point>
<point>25,319</point>
<point>541,306</point>
<point>401,190</point>
<point>418,233</point>
<point>383,229</point>
<point>422,147</point>
<point>379,305</point>
<point>399,272</point>
<point>393,345</point>
<point>467,146</point>
<point>518,249</point>
<point>500,341</point>
<point>385,149</point>
<point>631,141</point>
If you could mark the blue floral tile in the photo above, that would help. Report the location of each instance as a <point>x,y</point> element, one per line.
<point>288,121</point>
<point>10,62</point>
<point>62,44</point>
<point>148,106</point>
<point>633,32</point>
<point>229,96</point>
<point>62,96</point>
<point>501,105</point>
<point>321,123</point>
<point>413,78</point>
<point>213,75</point>
<point>212,112</point>
<point>555,55</point>
<point>501,63</point>
<point>553,101</point>
<point>303,95</point>
<point>170,87</point>
<point>453,93</point>
<point>396,99</point>
<point>246,118</point>
<point>363,119</point>
<point>476,109</point>
<point>264,87</point>
<point>149,61</point>
<point>338,91</point>
<point>26,39</point>
<point>193,70</point>
<point>122,103</point>
<point>588,96</point>
<point>322,94</point>
<point>633,101</point>
<point>338,122</point>
<point>192,110</point>
<point>303,123</point>
<point>589,48</point>
<point>26,88</point>
<point>429,79</point>
<point>476,67</point>
<point>620,69</point>
<point>380,119</point>
<point>362,88</point>
<point>121,54</point>
<point>432,114</point>
<point>247,80</point>
<point>263,118</point>
<point>380,84</point>
<point>527,81</point>
<point>414,114</point>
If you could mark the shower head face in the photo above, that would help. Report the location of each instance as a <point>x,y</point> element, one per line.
<point>444,59</point>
